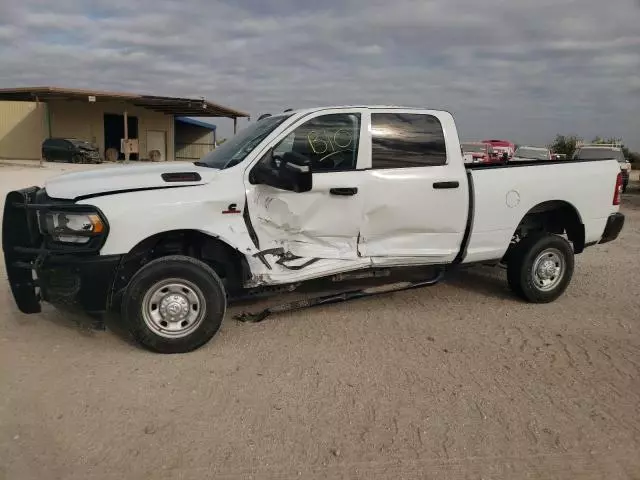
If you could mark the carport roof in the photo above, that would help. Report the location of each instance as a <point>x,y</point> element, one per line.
<point>193,107</point>
<point>198,123</point>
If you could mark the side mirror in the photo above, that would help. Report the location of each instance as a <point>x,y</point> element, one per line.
<point>297,169</point>
<point>291,171</point>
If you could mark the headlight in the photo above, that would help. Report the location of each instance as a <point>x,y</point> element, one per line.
<point>67,227</point>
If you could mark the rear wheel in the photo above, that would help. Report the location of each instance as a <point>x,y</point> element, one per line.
<point>174,304</point>
<point>540,267</point>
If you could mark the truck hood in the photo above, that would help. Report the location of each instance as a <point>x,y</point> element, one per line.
<point>124,178</point>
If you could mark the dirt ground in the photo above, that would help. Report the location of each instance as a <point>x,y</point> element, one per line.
<point>456,381</point>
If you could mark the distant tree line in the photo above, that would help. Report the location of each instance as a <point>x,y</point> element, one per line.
<point>567,144</point>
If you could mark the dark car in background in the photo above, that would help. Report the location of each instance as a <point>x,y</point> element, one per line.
<point>70,150</point>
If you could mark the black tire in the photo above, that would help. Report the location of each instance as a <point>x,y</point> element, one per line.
<point>76,158</point>
<point>520,275</point>
<point>183,268</point>
<point>624,187</point>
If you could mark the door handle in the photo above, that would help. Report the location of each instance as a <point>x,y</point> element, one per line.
<point>441,185</point>
<point>344,192</point>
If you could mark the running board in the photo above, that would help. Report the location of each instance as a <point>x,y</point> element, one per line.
<point>342,277</point>
<point>337,297</point>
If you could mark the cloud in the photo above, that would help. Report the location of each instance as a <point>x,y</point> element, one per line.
<point>506,69</point>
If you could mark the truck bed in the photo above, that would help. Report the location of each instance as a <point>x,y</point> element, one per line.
<point>501,195</point>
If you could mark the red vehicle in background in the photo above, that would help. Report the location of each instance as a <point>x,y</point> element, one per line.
<point>478,152</point>
<point>503,148</point>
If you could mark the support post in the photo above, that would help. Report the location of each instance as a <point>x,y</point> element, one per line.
<point>235,125</point>
<point>126,137</point>
<point>46,120</point>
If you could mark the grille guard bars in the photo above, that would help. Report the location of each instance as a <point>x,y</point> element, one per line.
<point>25,248</point>
<point>19,230</point>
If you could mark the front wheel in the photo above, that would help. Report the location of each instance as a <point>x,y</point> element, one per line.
<point>540,267</point>
<point>174,304</point>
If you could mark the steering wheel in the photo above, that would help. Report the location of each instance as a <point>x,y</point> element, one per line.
<point>335,159</point>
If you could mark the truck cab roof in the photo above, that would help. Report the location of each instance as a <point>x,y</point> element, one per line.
<point>305,111</point>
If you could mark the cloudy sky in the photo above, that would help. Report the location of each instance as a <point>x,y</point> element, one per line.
<point>518,69</point>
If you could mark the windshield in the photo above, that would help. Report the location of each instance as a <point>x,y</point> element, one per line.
<point>236,149</point>
<point>600,154</point>
<point>474,147</point>
<point>532,153</point>
<point>80,143</point>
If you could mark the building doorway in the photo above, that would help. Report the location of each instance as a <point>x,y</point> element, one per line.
<point>156,146</point>
<point>114,132</point>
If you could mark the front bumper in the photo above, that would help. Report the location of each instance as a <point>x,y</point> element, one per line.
<point>92,157</point>
<point>77,282</point>
<point>614,225</point>
<point>72,277</point>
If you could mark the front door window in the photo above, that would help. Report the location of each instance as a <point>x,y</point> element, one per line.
<point>329,141</point>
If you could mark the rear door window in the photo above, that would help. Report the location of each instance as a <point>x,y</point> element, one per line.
<point>406,140</point>
<point>600,154</point>
<point>52,143</point>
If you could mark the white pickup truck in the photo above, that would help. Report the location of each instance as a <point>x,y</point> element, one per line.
<point>325,192</point>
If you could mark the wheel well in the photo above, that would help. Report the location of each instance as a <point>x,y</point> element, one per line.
<point>555,216</point>
<point>225,260</point>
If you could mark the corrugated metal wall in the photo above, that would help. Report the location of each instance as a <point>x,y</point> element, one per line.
<point>22,130</point>
<point>192,142</point>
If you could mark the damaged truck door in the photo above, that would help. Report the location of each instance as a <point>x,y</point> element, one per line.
<point>416,198</point>
<point>302,225</point>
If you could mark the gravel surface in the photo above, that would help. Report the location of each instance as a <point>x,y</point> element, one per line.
<point>456,381</point>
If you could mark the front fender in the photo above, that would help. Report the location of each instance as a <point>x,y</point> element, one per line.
<point>135,216</point>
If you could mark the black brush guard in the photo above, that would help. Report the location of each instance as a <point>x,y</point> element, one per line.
<point>21,240</point>
<point>68,276</point>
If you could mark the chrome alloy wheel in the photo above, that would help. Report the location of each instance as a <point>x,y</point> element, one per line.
<point>173,308</point>
<point>548,269</point>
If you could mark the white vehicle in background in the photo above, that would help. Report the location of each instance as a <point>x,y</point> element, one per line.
<point>528,154</point>
<point>601,151</point>
<point>337,193</point>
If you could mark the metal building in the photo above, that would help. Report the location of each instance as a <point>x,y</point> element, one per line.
<point>158,128</point>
